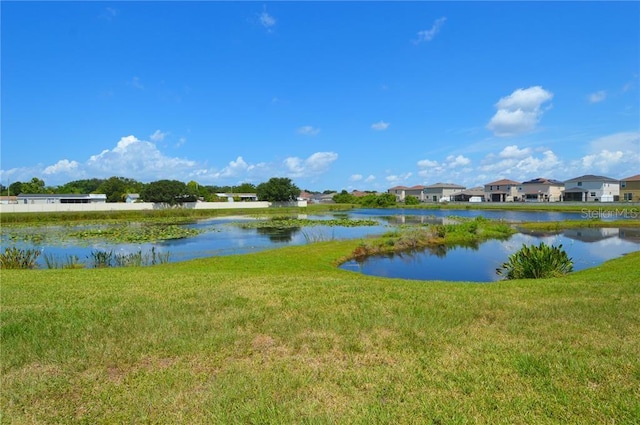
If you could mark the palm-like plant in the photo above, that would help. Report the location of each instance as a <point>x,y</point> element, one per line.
<point>536,262</point>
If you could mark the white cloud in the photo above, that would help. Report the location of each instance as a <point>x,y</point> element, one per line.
<point>397,179</point>
<point>308,130</point>
<point>267,21</point>
<point>370,178</point>
<point>380,126</point>
<point>514,152</point>
<point>457,161</point>
<point>424,163</point>
<point>356,177</point>
<point>428,35</point>
<point>62,166</point>
<point>158,136</point>
<point>314,165</point>
<point>519,112</point>
<point>617,153</point>
<point>598,96</point>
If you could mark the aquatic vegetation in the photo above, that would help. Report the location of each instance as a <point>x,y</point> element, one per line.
<point>284,222</point>
<point>537,262</point>
<point>15,258</point>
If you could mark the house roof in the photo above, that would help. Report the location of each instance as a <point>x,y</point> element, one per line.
<point>635,178</point>
<point>416,187</point>
<point>592,178</point>
<point>543,180</point>
<point>502,182</point>
<point>474,191</point>
<point>444,186</point>
<point>575,189</point>
<point>63,195</point>
<point>399,188</point>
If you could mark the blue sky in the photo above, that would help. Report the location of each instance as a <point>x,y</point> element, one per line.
<point>335,95</point>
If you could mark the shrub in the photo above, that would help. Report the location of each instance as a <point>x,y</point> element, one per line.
<point>14,258</point>
<point>411,200</point>
<point>536,262</point>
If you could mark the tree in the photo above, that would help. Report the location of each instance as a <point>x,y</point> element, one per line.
<point>344,197</point>
<point>245,188</point>
<point>167,192</point>
<point>117,188</point>
<point>80,186</point>
<point>36,185</point>
<point>411,200</point>
<point>277,189</point>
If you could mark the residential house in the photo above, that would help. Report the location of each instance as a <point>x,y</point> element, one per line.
<point>630,189</point>
<point>5,200</point>
<point>401,192</point>
<point>39,198</point>
<point>467,194</point>
<point>131,198</point>
<point>590,188</point>
<point>441,192</point>
<point>504,190</point>
<point>541,190</point>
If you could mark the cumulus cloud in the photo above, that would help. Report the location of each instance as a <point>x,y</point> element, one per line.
<point>380,126</point>
<point>370,178</point>
<point>308,130</point>
<point>514,152</point>
<point>132,156</point>
<point>428,35</point>
<point>598,96</point>
<point>457,161</point>
<point>519,112</point>
<point>396,179</point>
<point>356,177</point>
<point>618,153</point>
<point>315,164</point>
<point>157,136</point>
<point>62,166</point>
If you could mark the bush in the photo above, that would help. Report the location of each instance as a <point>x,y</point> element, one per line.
<point>411,200</point>
<point>14,258</point>
<point>536,262</point>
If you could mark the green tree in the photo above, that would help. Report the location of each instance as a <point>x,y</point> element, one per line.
<point>36,185</point>
<point>117,188</point>
<point>411,200</point>
<point>80,186</point>
<point>245,188</point>
<point>277,189</point>
<point>344,197</point>
<point>167,192</point>
<point>15,188</point>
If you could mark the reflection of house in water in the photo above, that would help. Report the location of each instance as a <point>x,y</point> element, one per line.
<point>631,235</point>
<point>592,234</point>
<point>419,219</point>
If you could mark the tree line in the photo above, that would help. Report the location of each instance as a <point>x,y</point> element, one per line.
<point>276,189</point>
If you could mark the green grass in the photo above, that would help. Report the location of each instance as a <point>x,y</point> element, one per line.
<point>283,336</point>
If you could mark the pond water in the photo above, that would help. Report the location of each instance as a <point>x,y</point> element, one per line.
<point>222,236</point>
<point>587,247</point>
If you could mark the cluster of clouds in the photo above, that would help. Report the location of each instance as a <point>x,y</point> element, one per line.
<point>520,112</point>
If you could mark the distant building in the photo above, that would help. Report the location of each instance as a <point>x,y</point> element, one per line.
<point>590,188</point>
<point>467,194</point>
<point>131,198</point>
<point>630,189</point>
<point>38,198</point>
<point>439,192</point>
<point>504,190</point>
<point>401,192</point>
<point>541,190</point>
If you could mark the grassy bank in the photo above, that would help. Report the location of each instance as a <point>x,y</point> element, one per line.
<point>282,336</point>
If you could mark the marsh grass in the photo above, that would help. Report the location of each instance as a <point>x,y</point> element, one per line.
<point>282,336</point>
<point>16,258</point>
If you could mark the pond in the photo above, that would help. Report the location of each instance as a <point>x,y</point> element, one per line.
<point>223,236</point>
<point>587,247</point>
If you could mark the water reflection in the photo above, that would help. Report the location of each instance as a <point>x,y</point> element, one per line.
<point>477,263</point>
<point>278,234</point>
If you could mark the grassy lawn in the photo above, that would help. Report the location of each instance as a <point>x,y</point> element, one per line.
<point>283,336</point>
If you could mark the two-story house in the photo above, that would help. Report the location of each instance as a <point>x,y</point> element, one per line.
<point>590,188</point>
<point>541,190</point>
<point>401,192</point>
<point>441,192</point>
<point>630,189</point>
<point>504,190</point>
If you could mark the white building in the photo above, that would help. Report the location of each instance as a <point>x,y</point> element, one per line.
<point>590,188</point>
<point>64,198</point>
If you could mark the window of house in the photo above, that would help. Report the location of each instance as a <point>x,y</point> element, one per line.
<point>579,183</point>
<point>593,194</point>
<point>628,196</point>
<point>623,184</point>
